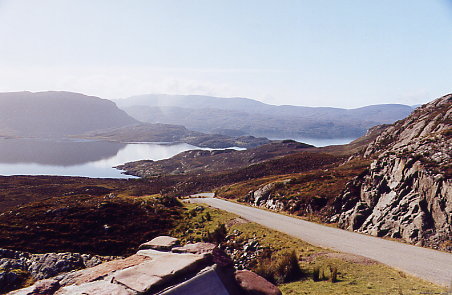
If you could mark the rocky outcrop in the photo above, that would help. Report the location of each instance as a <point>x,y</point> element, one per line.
<point>199,268</point>
<point>274,196</point>
<point>16,267</point>
<point>265,197</point>
<point>430,119</point>
<point>407,191</point>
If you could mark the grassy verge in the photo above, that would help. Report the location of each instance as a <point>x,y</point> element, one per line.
<point>355,275</point>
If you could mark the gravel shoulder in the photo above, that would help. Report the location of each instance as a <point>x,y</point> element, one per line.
<point>428,264</point>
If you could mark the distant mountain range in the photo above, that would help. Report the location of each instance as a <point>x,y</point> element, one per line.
<point>244,116</point>
<point>56,114</point>
<point>200,120</point>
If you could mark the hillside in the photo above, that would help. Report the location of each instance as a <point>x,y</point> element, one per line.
<point>105,225</point>
<point>407,191</point>
<point>240,116</point>
<point>201,161</point>
<point>56,114</point>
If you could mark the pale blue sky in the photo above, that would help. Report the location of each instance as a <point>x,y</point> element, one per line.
<point>345,53</point>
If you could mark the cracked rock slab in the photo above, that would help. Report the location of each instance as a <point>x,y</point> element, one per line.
<point>159,270</point>
<point>161,243</point>
<point>95,288</point>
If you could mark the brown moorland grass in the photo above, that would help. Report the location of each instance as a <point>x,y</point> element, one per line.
<point>103,225</point>
<point>22,189</point>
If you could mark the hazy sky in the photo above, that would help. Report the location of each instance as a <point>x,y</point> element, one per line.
<point>345,53</point>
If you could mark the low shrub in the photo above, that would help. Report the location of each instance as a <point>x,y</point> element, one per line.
<point>333,272</point>
<point>217,235</point>
<point>284,269</point>
<point>319,274</point>
<point>316,274</point>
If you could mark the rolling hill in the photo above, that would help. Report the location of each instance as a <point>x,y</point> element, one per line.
<point>243,116</point>
<point>56,114</point>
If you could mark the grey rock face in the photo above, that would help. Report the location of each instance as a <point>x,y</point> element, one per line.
<point>407,191</point>
<point>17,266</point>
<point>48,265</point>
<point>149,271</point>
<point>264,197</point>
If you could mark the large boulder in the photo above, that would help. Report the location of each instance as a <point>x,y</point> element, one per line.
<point>254,284</point>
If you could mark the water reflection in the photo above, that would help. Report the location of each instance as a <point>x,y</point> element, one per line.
<point>77,158</point>
<point>89,158</point>
<point>58,153</point>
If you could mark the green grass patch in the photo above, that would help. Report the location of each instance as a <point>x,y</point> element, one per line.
<point>359,276</point>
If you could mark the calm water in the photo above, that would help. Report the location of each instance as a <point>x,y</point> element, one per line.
<point>90,158</point>
<point>81,158</point>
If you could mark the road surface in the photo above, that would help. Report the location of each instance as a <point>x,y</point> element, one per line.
<point>428,264</point>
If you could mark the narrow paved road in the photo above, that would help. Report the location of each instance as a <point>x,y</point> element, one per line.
<point>431,265</point>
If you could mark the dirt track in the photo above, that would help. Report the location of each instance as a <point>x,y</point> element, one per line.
<point>431,265</point>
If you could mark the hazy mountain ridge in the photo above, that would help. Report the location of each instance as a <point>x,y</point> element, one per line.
<point>234,116</point>
<point>57,114</point>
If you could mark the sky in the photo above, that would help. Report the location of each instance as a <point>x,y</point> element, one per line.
<point>346,53</point>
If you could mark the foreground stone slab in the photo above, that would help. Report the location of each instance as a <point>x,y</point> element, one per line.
<point>254,284</point>
<point>200,268</point>
<point>152,254</point>
<point>95,288</point>
<point>42,287</point>
<point>161,243</point>
<point>205,283</point>
<point>158,270</point>
<point>101,270</point>
<point>196,248</point>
